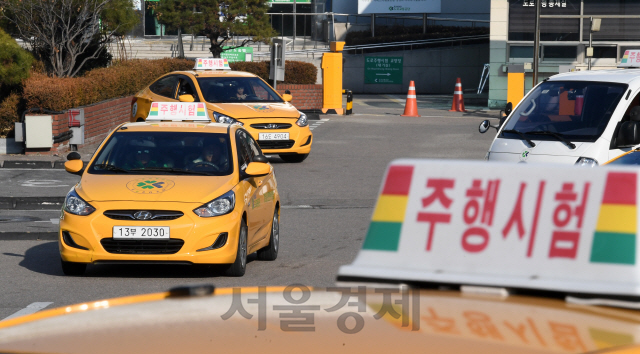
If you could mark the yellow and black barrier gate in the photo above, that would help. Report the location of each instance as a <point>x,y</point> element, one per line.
<point>349,102</point>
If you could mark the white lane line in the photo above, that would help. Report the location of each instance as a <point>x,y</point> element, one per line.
<point>318,123</point>
<point>304,206</point>
<point>32,308</point>
<point>394,99</point>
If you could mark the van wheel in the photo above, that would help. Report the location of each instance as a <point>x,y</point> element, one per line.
<point>238,268</point>
<point>294,158</point>
<point>270,253</point>
<point>72,268</point>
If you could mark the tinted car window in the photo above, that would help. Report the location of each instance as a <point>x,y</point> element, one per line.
<point>174,153</point>
<point>165,86</point>
<point>236,89</point>
<point>186,87</point>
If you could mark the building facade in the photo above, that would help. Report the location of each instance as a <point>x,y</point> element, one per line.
<point>564,38</point>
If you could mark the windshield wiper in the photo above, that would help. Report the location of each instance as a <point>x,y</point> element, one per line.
<point>170,169</point>
<point>106,166</point>
<point>555,135</point>
<point>521,135</point>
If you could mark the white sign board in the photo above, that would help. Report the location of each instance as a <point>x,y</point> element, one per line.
<point>178,111</point>
<point>399,6</point>
<point>553,227</point>
<point>211,64</point>
<point>631,58</point>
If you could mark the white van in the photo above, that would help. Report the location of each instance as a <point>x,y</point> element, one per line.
<point>584,118</point>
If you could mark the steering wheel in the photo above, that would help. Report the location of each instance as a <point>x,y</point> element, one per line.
<point>203,166</point>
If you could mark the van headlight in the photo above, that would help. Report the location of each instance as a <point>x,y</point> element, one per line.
<point>302,120</point>
<point>75,205</point>
<point>221,118</point>
<point>586,162</point>
<point>224,204</point>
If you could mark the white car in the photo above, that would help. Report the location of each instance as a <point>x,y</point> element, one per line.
<point>584,118</point>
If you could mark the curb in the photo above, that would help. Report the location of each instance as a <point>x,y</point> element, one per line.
<point>34,165</point>
<point>31,203</point>
<point>28,236</point>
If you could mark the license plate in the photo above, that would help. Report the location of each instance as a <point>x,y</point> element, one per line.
<point>141,232</point>
<point>273,136</point>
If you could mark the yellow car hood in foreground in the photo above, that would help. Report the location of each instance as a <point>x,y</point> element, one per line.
<point>255,110</point>
<point>284,320</point>
<point>154,188</point>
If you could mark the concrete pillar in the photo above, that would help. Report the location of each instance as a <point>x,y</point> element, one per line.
<point>499,32</point>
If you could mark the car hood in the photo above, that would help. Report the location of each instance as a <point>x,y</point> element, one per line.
<point>154,188</point>
<point>255,110</point>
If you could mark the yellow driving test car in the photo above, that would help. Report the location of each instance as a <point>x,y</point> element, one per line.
<point>176,188</point>
<point>234,97</point>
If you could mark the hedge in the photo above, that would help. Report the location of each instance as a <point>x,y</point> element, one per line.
<point>387,34</point>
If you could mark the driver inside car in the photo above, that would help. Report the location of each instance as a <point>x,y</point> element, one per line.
<point>212,156</point>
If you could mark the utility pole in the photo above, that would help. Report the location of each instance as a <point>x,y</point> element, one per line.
<point>293,47</point>
<point>536,44</point>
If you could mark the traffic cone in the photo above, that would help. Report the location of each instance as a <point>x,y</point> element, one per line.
<point>458,101</point>
<point>411,107</point>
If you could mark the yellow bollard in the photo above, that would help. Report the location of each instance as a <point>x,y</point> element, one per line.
<point>332,79</point>
<point>515,83</point>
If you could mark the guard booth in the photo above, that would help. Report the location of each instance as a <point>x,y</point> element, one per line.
<point>276,66</point>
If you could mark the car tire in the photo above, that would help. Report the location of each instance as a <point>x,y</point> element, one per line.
<point>72,268</point>
<point>294,158</point>
<point>270,253</point>
<point>238,268</point>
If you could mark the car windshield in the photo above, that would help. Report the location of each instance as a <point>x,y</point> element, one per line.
<point>628,159</point>
<point>236,89</point>
<point>174,153</point>
<point>573,110</point>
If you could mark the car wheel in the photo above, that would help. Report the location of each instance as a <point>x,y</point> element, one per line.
<point>294,158</point>
<point>237,268</point>
<point>270,253</point>
<point>72,268</point>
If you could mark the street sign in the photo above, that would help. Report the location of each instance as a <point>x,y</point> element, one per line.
<point>237,54</point>
<point>399,6</point>
<point>383,70</point>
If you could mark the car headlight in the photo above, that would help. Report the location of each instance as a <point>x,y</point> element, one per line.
<point>224,204</point>
<point>302,121</point>
<point>73,204</point>
<point>221,118</point>
<point>587,162</point>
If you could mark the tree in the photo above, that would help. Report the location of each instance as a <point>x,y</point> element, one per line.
<point>15,62</point>
<point>67,34</point>
<point>218,20</point>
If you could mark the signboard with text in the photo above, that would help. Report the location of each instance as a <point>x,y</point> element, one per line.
<point>237,54</point>
<point>383,70</point>
<point>561,228</point>
<point>399,6</point>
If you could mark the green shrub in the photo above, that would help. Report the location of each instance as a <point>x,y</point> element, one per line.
<point>14,62</point>
<point>9,113</point>
<point>295,72</point>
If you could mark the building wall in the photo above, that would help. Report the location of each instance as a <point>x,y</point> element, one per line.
<point>499,31</point>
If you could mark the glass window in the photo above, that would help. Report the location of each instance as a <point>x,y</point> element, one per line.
<point>521,52</point>
<point>173,153</point>
<point>522,16</point>
<point>236,89</point>
<point>165,87</point>
<point>244,153</point>
<point>613,29</point>
<point>560,52</point>
<point>604,52</point>
<point>185,87</point>
<point>574,110</point>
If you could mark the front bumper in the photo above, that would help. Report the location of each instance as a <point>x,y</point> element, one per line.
<point>300,138</point>
<point>196,232</point>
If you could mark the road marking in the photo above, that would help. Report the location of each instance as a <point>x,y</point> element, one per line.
<point>318,123</point>
<point>32,308</point>
<point>43,183</point>
<point>54,221</point>
<point>396,100</point>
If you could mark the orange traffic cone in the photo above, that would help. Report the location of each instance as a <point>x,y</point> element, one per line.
<point>458,102</point>
<point>411,107</point>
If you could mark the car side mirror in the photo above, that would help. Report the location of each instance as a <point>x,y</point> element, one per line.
<point>260,158</point>
<point>74,167</point>
<point>485,125</point>
<point>73,156</point>
<point>186,98</point>
<point>287,92</point>
<point>257,169</point>
<point>629,134</point>
<point>508,108</point>
<point>287,97</point>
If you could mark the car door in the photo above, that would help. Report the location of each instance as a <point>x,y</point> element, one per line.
<point>254,188</point>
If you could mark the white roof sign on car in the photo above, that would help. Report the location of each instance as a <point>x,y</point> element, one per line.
<point>178,112</point>
<point>211,64</point>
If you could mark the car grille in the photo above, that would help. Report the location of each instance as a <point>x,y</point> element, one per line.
<point>170,246</point>
<point>276,144</point>
<point>271,126</point>
<point>156,214</point>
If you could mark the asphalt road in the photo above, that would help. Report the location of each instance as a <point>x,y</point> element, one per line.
<point>327,204</point>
